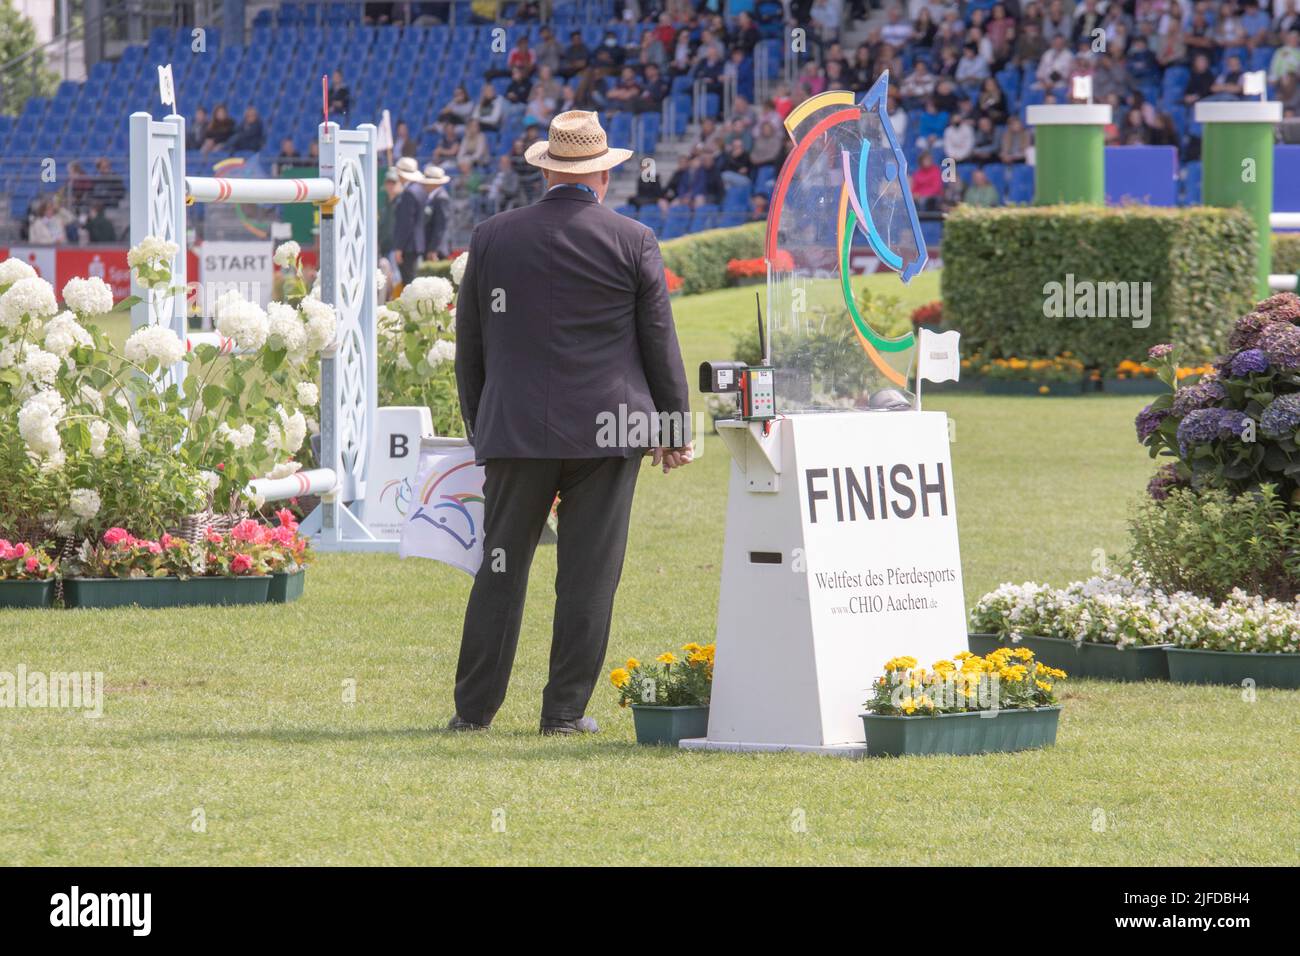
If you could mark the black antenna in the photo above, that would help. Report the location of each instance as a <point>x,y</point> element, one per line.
<point>762,334</point>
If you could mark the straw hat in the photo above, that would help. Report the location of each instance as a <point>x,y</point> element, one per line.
<point>435,175</point>
<point>409,170</point>
<point>577,145</point>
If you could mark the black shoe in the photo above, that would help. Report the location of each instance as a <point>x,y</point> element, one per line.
<point>582,725</point>
<point>459,723</point>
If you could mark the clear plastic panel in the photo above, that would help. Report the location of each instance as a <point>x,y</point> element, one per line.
<point>843,186</point>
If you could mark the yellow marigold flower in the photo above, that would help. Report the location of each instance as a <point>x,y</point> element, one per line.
<point>963,655</point>
<point>1042,685</point>
<point>690,648</point>
<point>619,677</point>
<point>668,657</point>
<point>1023,653</point>
<point>942,666</point>
<point>908,705</point>
<point>633,663</point>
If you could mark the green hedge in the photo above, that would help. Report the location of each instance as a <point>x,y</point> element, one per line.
<point>998,263</point>
<point>1286,253</point>
<point>701,258</point>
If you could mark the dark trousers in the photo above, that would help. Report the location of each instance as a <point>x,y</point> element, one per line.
<point>595,504</point>
<point>410,259</point>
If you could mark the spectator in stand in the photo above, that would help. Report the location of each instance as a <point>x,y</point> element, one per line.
<point>448,148</point>
<point>1001,32</point>
<point>109,188</point>
<point>503,187</point>
<point>196,131</point>
<point>45,228</point>
<point>1110,76</point>
<point>981,192</point>
<point>1227,85</point>
<point>1030,45</point>
<point>521,57</point>
<point>959,139</point>
<point>458,109</point>
<point>1057,23</point>
<point>1255,24</point>
<point>683,57</point>
<point>654,89</point>
<point>489,110</point>
<point>649,192</point>
<point>917,85</point>
<point>1141,61</point>
<point>737,166</point>
<point>404,143</point>
<point>992,102</point>
<point>826,15</point>
<point>576,56</point>
<point>930,127</point>
<point>549,53</point>
<point>1286,58</point>
<point>1228,30</point>
<point>1055,66</point>
<point>98,226</point>
<point>540,108</point>
<point>694,184</point>
<point>709,69</point>
<point>288,157</point>
<point>1200,81</point>
<point>340,97</point>
<point>81,185</point>
<point>517,92</point>
<point>1199,34</point>
<point>860,68</point>
<point>924,30</point>
<point>897,32</point>
<point>898,117</point>
<point>1171,47</point>
<point>927,183</point>
<point>1088,16</point>
<point>769,147</point>
<point>945,96</point>
<point>758,208</point>
<point>609,56</point>
<point>249,137</point>
<point>474,145</point>
<point>985,148</point>
<point>625,93</point>
<point>651,51</point>
<point>972,69</point>
<point>220,129</point>
<point>746,35</point>
<point>1288,19</point>
<point>1015,142</point>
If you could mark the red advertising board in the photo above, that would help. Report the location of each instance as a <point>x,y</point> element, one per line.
<point>107,262</point>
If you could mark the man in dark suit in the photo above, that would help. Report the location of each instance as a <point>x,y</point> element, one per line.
<point>437,214</point>
<point>408,218</point>
<point>569,372</point>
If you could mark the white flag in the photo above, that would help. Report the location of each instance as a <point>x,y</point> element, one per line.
<point>1081,87</point>
<point>1254,84</point>
<point>166,88</point>
<point>444,520</point>
<point>939,357</point>
<point>384,136</point>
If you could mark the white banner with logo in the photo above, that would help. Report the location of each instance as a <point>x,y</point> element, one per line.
<point>444,518</point>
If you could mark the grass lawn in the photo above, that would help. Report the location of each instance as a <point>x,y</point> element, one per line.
<point>240,712</point>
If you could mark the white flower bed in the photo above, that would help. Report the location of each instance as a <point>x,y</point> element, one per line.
<point>1123,612</point>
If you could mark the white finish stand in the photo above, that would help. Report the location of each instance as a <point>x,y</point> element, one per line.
<point>1069,114</point>
<point>1237,111</point>
<point>817,582</point>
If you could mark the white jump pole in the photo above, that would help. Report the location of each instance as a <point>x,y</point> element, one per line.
<point>218,190</point>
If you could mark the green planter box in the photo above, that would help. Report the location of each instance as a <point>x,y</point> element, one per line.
<point>971,733</point>
<point>26,593</point>
<point>1087,659</point>
<point>286,587</point>
<point>164,592</point>
<point>669,725</point>
<point>1191,666</point>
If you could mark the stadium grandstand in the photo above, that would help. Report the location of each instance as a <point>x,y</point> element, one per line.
<point>700,88</point>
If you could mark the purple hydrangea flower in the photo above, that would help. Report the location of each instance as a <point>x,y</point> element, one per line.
<point>1232,424</point>
<point>1199,426</point>
<point>1201,395</point>
<point>1249,362</point>
<point>1282,417</point>
<point>1245,333</point>
<point>1280,342</point>
<point>1281,307</point>
<point>1159,351</point>
<point>1164,481</point>
<point>1148,420</point>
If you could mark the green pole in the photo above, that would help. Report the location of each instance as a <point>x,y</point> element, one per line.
<point>1237,166</point>
<point>1070,152</point>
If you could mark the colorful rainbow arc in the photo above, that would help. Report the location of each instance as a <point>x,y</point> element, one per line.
<point>850,216</point>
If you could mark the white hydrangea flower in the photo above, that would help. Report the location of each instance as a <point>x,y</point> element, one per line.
<point>458,266</point>
<point>37,367</point>
<point>38,423</point>
<point>131,440</point>
<point>427,294</point>
<point>444,350</point>
<point>285,329</point>
<point>388,326</point>
<point>293,430</point>
<point>30,297</point>
<point>63,333</point>
<point>84,503</point>
<point>151,251</point>
<point>308,394</point>
<point>286,254</point>
<point>381,282</point>
<point>11,270</point>
<point>211,478</point>
<point>321,324</point>
<point>242,321</point>
<point>154,341</point>
<point>98,435</point>
<point>90,296</point>
<point>91,397</point>
<point>239,438</point>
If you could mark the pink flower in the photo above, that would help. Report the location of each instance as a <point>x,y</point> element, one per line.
<point>241,564</point>
<point>4,545</point>
<point>285,517</point>
<point>19,550</point>
<point>248,530</point>
<point>116,536</point>
<point>214,538</point>
<point>33,565</point>
<point>168,541</point>
<point>151,546</point>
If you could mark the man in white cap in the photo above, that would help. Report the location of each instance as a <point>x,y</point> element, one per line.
<point>408,218</point>
<point>437,213</point>
<point>569,372</point>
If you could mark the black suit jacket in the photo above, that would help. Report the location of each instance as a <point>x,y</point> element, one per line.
<point>408,220</point>
<point>564,335</point>
<point>437,222</point>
